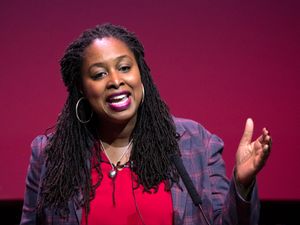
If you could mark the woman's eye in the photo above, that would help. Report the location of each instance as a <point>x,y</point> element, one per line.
<point>99,75</point>
<point>124,69</point>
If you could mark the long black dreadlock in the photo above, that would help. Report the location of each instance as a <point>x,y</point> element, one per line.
<point>72,144</point>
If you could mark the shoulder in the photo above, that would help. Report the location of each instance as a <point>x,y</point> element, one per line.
<point>184,125</point>
<point>38,145</point>
<point>189,129</point>
<point>40,140</point>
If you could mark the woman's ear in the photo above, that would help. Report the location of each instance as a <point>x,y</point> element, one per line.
<point>80,88</point>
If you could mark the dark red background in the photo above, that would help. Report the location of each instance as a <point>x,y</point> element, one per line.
<point>217,62</point>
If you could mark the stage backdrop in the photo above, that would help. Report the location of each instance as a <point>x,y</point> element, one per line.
<point>216,62</point>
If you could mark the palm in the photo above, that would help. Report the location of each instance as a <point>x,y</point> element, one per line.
<point>251,155</point>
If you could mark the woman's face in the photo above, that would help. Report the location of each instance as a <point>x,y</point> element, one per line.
<point>111,80</point>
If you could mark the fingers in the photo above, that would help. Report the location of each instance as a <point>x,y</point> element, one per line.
<point>248,132</point>
<point>266,142</point>
<point>265,139</point>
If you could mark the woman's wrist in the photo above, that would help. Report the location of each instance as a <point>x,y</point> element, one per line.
<point>244,188</point>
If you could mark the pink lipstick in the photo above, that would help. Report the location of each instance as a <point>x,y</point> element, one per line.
<point>119,101</point>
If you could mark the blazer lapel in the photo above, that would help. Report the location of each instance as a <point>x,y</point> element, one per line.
<point>179,198</point>
<point>179,193</point>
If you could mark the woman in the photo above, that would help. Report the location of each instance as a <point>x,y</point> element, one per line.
<point>109,159</point>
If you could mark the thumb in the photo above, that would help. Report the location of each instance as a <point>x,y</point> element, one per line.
<point>248,132</point>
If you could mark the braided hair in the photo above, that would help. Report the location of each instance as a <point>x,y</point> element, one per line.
<point>72,145</point>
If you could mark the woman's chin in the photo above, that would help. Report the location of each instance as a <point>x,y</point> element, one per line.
<point>119,117</point>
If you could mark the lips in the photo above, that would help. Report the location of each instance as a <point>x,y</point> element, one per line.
<point>119,101</point>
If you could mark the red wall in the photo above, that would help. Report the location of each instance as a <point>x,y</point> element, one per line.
<point>217,62</point>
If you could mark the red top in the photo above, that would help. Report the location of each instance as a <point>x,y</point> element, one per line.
<point>155,208</point>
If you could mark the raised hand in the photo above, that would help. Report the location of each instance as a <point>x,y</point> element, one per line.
<point>251,155</point>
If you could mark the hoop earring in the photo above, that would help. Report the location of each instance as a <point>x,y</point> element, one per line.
<point>77,114</point>
<point>143,94</point>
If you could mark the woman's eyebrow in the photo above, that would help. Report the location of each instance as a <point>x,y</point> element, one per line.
<point>119,58</point>
<point>97,64</point>
<point>102,64</point>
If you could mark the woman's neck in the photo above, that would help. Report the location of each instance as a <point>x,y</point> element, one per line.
<point>115,140</point>
<point>116,134</point>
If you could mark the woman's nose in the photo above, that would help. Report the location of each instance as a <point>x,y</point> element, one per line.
<point>115,80</point>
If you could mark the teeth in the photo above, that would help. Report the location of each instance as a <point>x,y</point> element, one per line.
<point>118,97</point>
<point>120,102</point>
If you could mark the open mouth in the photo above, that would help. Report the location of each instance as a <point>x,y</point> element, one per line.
<point>119,102</point>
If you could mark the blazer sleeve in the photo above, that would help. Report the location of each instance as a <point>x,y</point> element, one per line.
<point>228,206</point>
<point>33,180</point>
